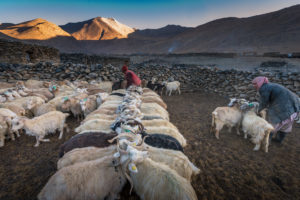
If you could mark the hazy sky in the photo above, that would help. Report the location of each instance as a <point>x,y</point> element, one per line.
<point>137,13</point>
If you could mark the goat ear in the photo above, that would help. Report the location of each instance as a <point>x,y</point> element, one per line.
<point>46,84</point>
<point>132,167</point>
<point>65,99</point>
<point>117,155</point>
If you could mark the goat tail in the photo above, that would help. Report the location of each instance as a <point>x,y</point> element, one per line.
<point>269,128</point>
<point>195,169</point>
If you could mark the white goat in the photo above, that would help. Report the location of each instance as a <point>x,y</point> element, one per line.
<point>24,102</point>
<point>42,125</point>
<point>99,116</point>
<point>158,181</point>
<point>95,124</point>
<point>73,104</point>
<point>172,86</point>
<point>85,154</point>
<point>229,116</point>
<point>43,109</point>
<point>92,180</point>
<point>255,126</point>
<point>16,108</point>
<point>8,115</point>
<point>154,99</point>
<point>88,104</point>
<point>154,109</point>
<point>158,123</point>
<point>101,97</point>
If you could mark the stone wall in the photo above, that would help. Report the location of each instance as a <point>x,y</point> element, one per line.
<point>19,52</point>
<point>230,83</point>
<point>50,71</point>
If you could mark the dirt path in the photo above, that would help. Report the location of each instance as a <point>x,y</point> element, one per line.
<point>230,169</point>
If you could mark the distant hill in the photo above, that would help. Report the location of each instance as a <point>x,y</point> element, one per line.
<point>277,31</point>
<point>160,33</point>
<point>99,28</point>
<point>37,29</point>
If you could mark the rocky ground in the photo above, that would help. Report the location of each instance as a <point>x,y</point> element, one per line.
<point>230,169</point>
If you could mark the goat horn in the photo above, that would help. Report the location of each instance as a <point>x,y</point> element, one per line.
<point>141,146</point>
<point>124,169</point>
<point>121,135</point>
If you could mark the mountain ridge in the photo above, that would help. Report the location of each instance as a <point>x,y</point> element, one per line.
<point>269,32</point>
<point>98,28</point>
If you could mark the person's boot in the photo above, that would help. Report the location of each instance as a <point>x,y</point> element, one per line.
<point>281,137</point>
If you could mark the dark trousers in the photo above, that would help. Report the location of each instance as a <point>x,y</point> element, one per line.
<point>279,137</point>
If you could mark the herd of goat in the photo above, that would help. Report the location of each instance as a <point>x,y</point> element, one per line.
<point>122,135</point>
<point>40,99</point>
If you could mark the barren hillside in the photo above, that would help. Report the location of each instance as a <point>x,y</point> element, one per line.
<point>272,32</point>
<point>99,28</point>
<point>37,29</point>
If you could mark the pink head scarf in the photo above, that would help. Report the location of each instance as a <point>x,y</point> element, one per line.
<point>259,81</point>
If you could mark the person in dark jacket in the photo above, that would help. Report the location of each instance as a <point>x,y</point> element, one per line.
<point>282,106</point>
<point>130,77</point>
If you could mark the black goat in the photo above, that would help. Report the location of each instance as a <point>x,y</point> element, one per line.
<point>156,87</point>
<point>88,139</point>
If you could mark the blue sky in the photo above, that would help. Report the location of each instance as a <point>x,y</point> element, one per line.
<point>137,13</point>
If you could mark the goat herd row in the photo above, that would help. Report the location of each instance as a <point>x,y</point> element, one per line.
<point>36,98</point>
<point>125,136</point>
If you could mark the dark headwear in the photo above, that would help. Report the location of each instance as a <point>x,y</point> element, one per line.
<point>124,68</point>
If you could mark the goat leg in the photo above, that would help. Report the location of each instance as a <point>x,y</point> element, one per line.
<point>257,147</point>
